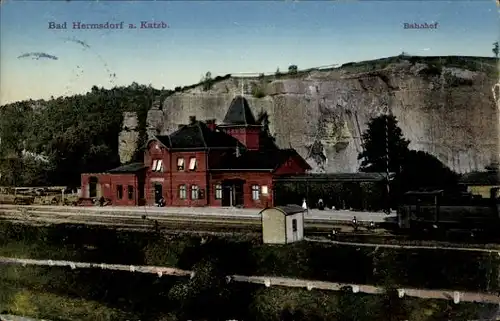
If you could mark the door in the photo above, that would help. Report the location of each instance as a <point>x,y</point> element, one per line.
<point>140,190</point>
<point>93,181</point>
<point>238,194</point>
<point>232,193</point>
<point>295,236</point>
<point>158,188</point>
<point>226,195</point>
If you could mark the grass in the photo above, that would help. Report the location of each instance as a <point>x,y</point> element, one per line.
<point>60,294</point>
<point>452,270</point>
<point>28,291</point>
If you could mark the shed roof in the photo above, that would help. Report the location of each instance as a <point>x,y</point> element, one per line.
<point>491,177</point>
<point>286,209</point>
<point>239,113</point>
<point>127,168</point>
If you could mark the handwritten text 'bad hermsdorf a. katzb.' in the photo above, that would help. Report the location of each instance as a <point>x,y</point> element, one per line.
<point>109,25</point>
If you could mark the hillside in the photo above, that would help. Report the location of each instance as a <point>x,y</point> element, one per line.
<point>444,106</point>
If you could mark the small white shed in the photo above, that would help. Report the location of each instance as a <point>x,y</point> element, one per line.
<point>282,224</point>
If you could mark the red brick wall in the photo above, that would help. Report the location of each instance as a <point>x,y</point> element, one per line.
<point>109,184</point>
<point>162,178</point>
<point>250,136</point>
<point>172,178</point>
<point>251,178</point>
<point>189,178</point>
<point>124,180</point>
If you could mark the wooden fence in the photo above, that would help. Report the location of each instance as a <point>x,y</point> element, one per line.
<point>456,296</point>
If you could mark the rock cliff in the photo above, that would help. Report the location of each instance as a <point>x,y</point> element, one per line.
<point>129,136</point>
<point>446,109</point>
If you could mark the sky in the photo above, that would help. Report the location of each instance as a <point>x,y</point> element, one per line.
<point>221,37</point>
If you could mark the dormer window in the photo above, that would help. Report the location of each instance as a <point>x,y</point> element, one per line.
<point>157,165</point>
<point>192,164</point>
<point>180,164</point>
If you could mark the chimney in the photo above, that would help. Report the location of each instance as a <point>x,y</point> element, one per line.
<point>192,120</point>
<point>211,123</point>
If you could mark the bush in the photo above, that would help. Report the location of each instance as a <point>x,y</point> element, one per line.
<point>258,91</point>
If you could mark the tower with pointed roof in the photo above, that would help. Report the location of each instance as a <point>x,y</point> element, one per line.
<point>240,123</point>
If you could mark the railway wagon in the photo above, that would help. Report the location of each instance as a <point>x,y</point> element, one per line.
<point>433,210</point>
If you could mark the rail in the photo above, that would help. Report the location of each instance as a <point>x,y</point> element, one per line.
<point>456,296</point>
<point>404,247</point>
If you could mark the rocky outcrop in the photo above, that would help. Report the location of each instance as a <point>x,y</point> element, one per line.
<point>128,138</point>
<point>447,111</point>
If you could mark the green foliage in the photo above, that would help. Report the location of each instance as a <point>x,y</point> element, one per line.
<point>434,63</point>
<point>207,81</point>
<point>415,170</point>
<point>383,131</point>
<point>204,295</point>
<point>258,91</point>
<point>277,74</point>
<point>495,49</point>
<point>422,170</point>
<point>292,69</point>
<point>50,292</point>
<point>432,70</point>
<point>75,134</point>
<point>351,307</point>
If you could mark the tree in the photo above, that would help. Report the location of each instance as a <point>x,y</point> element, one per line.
<point>422,170</point>
<point>203,296</point>
<point>383,131</point>
<point>293,69</point>
<point>277,73</point>
<point>76,134</point>
<point>207,81</point>
<point>495,49</point>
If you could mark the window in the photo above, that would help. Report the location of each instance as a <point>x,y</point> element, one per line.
<point>180,164</point>
<point>182,192</point>
<point>294,225</point>
<point>255,192</point>
<point>119,191</point>
<point>192,164</point>
<point>130,192</point>
<point>157,165</point>
<point>195,192</point>
<point>218,191</point>
<point>264,190</point>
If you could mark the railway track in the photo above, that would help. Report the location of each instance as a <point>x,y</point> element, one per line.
<point>212,224</point>
<point>148,217</point>
<point>149,222</point>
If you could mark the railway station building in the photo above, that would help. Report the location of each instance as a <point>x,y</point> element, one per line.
<point>202,163</point>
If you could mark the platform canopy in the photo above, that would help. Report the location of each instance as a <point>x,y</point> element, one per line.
<point>337,177</point>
